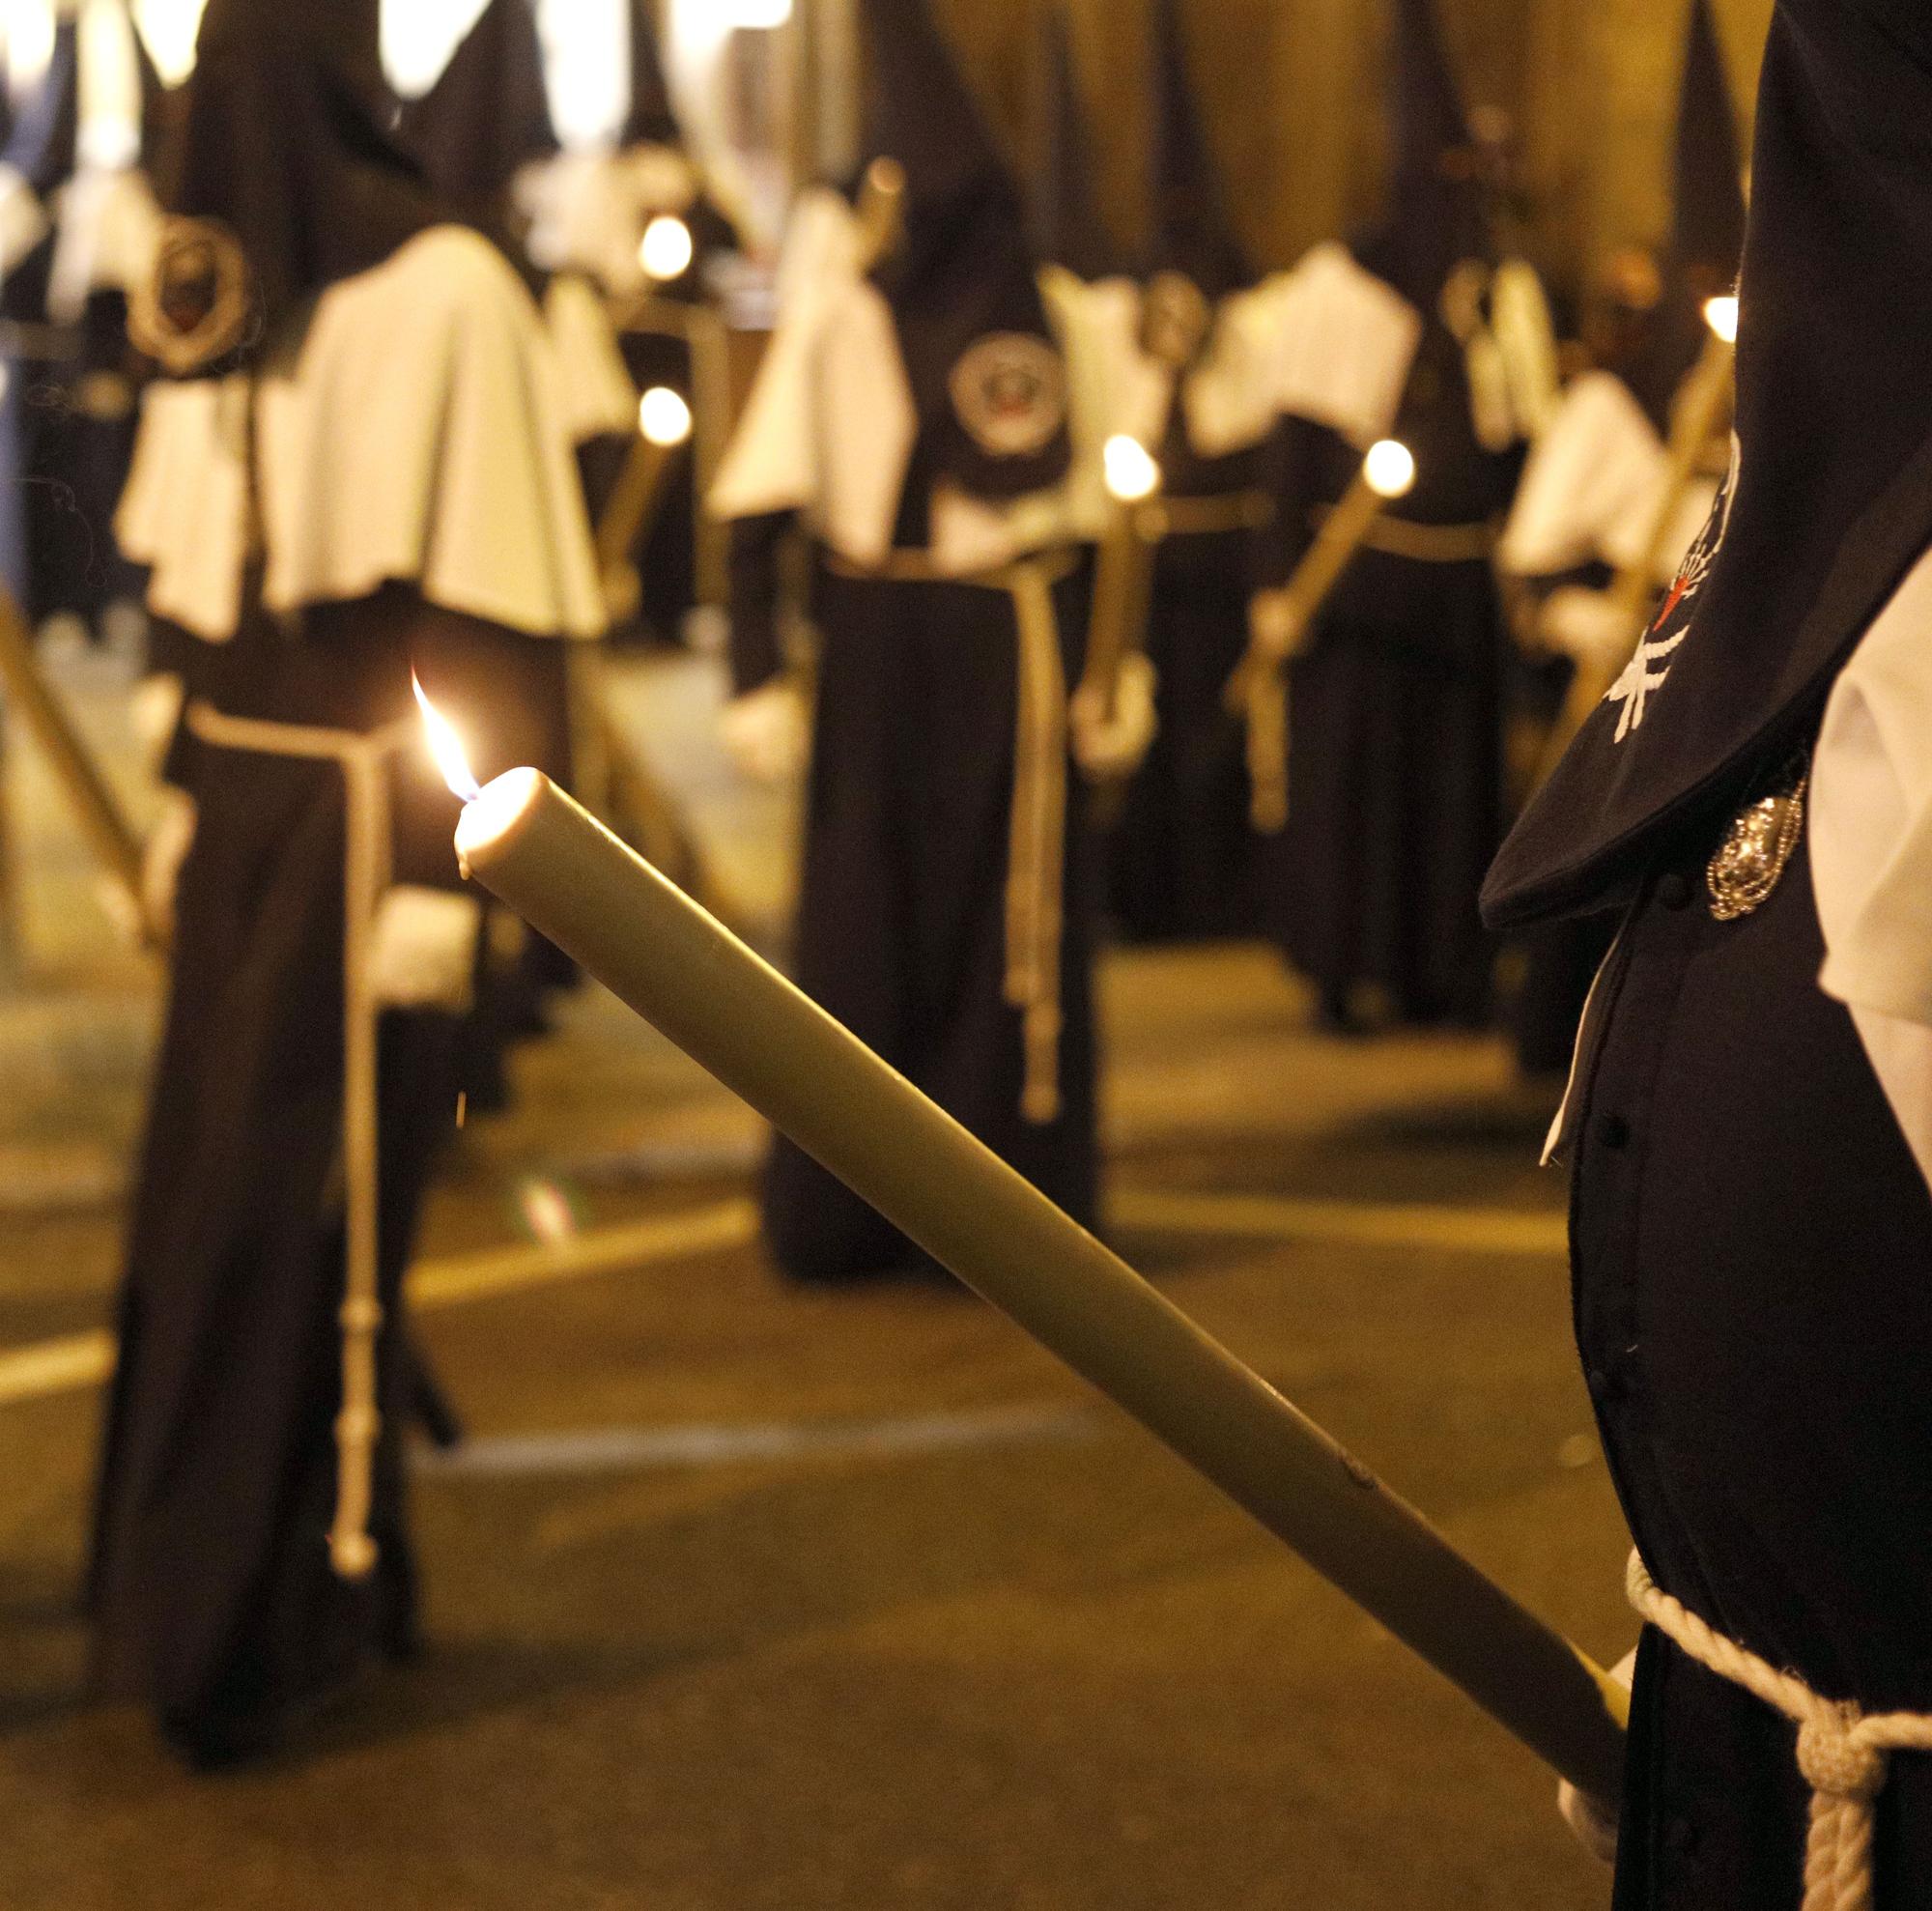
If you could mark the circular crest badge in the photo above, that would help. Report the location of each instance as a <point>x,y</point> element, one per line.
<point>1009,390</point>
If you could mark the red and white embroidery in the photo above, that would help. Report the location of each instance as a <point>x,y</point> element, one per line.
<point>1644,674</point>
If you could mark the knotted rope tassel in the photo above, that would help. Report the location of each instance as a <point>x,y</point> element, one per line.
<point>1844,1753</point>
<point>364,760</point>
<point>1037,853</point>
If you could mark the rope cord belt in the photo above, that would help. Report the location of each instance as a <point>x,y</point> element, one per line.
<point>1424,543</point>
<point>1844,1753</point>
<point>364,758</point>
<point>1037,838</point>
<point>1264,703</point>
<point>1203,517</point>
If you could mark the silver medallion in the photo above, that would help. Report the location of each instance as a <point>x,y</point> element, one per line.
<point>1757,848</point>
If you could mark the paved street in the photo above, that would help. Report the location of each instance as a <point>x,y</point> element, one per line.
<point>742,1599</point>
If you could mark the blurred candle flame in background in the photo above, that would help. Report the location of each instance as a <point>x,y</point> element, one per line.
<point>1389,468</point>
<point>1722,316</point>
<point>667,251</point>
<point>1131,471</point>
<point>664,418</point>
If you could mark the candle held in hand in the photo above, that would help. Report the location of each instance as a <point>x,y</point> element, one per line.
<point>1123,571</point>
<point>545,857</point>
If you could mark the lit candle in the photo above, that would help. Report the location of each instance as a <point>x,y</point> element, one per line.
<point>663,425</point>
<point>547,858</point>
<point>1258,691</point>
<point>666,250</point>
<point>1123,571</point>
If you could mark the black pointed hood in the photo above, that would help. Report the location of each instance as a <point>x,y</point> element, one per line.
<point>1440,205</point>
<point>158,102</point>
<point>984,369</point>
<point>1706,175</point>
<point>282,139</point>
<point>44,146</point>
<point>1707,235</point>
<point>1065,221</point>
<point>45,141</point>
<point>488,114</point>
<point>648,119</point>
<point>1191,231</point>
<point>1831,503</point>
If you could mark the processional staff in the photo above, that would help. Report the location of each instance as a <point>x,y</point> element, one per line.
<point>1284,619</point>
<point>545,856</point>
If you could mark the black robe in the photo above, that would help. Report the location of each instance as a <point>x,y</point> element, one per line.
<point>1395,730</point>
<point>901,919</point>
<point>1753,1247</point>
<point>1557,960</point>
<point>214,1596</point>
<point>1183,856</point>
<point>67,421</point>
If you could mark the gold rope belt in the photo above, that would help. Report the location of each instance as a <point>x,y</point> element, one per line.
<point>1264,706</point>
<point>1036,836</point>
<point>1424,544</point>
<point>364,757</point>
<point>1842,1751</point>
<point>1203,517</point>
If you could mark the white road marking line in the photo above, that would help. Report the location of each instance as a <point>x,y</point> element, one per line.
<point>717,1444</point>
<point>56,1366</point>
<point>86,1359</point>
<point>461,1277</point>
<point>1365,1224</point>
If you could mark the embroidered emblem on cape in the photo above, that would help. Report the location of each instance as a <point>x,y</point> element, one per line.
<point>197,304</point>
<point>1650,664</point>
<point>1759,845</point>
<point>1009,390</point>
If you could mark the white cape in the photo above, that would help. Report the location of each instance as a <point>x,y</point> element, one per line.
<point>414,435</point>
<point>829,428</point>
<point>1592,488</point>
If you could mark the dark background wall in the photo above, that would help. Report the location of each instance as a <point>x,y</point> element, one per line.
<point>1296,88</point>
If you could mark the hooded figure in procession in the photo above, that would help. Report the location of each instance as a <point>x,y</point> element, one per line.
<point>355,466</point>
<point>631,216</point>
<point>78,225</point>
<point>914,409</point>
<point>483,132</point>
<point>1747,1128</point>
<point>1067,229</point>
<point>1394,779</point>
<point>1599,499</point>
<point>1205,403</point>
<point>484,135</point>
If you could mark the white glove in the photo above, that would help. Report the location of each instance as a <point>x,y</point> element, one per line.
<point>1592,1827</point>
<point>1274,629</point>
<point>767,733</point>
<point>1108,748</point>
<point>423,953</point>
<point>1587,625</point>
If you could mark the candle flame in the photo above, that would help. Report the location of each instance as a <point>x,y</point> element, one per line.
<point>666,248</point>
<point>1389,468</point>
<point>1722,316</point>
<point>447,746</point>
<point>1131,471</point>
<point>662,416</point>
